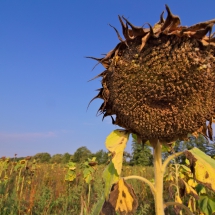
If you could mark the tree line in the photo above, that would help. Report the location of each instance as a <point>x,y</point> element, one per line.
<point>141,153</point>
<point>137,157</point>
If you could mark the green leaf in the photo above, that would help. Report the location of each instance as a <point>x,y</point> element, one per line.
<point>88,174</point>
<point>200,189</point>
<point>207,205</point>
<point>93,159</point>
<point>116,143</point>
<point>70,176</point>
<point>110,177</point>
<point>184,168</point>
<point>202,166</point>
<point>168,148</point>
<point>71,166</point>
<point>98,206</point>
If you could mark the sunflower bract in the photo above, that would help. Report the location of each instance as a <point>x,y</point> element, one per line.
<point>160,81</point>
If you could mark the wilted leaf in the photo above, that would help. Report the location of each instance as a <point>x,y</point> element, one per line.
<point>116,143</point>
<point>190,190</point>
<point>110,177</point>
<point>202,166</point>
<point>192,182</point>
<point>192,204</point>
<point>207,205</point>
<point>122,198</point>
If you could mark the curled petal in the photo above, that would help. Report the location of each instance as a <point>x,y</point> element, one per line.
<point>119,37</point>
<point>201,25</point>
<point>202,32</point>
<point>171,21</point>
<point>125,30</point>
<point>137,31</point>
<point>158,25</point>
<point>97,59</point>
<point>100,75</point>
<point>99,96</point>
<point>144,40</point>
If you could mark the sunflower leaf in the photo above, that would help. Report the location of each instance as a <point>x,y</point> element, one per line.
<point>202,166</point>
<point>110,177</point>
<point>116,143</point>
<point>207,204</point>
<point>122,198</point>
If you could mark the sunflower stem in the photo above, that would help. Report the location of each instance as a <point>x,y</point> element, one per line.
<point>171,157</point>
<point>143,180</point>
<point>166,204</point>
<point>158,171</point>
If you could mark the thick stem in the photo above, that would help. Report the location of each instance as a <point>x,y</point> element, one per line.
<point>158,170</point>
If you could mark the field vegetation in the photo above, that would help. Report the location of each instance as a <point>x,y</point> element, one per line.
<point>72,184</point>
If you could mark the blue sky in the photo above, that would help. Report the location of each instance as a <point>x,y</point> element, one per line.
<point>44,91</point>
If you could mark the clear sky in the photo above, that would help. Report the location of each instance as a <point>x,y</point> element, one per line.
<point>44,91</point>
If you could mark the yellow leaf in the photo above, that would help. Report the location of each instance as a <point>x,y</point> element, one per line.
<point>187,161</point>
<point>181,175</point>
<point>169,177</point>
<point>125,200</point>
<point>190,190</point>
<point>122,198</point>
<point>192,204</point>
<point>116,143</point>
<point>178,199</point>
<point>203,167</point>
<point>192,182</point>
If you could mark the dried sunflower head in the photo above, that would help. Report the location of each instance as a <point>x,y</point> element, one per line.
<point>160,81</point>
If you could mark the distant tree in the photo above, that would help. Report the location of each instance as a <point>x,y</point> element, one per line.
<point>43,157</point>
<point>66,158</point>
<point>57,158</point>
<point>81,154</point>
<point>126,158</point>
<point>200,142</point>
<point>19,158</point>
<point>101,156</point>
<point>141,155</point>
